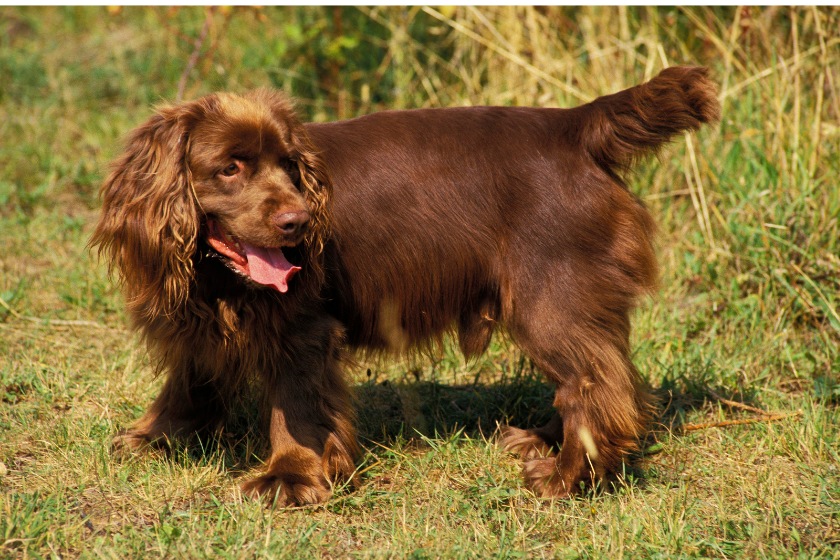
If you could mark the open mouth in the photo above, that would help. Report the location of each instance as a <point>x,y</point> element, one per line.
<point>264,265</point>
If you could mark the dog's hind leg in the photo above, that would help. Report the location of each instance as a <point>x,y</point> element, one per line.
<point>601,412</point>
<point>576,329</point>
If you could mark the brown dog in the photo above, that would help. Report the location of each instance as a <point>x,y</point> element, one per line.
<point>254,248</point>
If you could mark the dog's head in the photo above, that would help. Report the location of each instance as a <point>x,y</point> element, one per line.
<point>234,177</point>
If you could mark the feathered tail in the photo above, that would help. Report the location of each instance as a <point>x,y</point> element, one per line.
<point>624,126</point>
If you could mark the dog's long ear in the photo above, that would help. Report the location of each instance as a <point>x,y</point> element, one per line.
<point>150,218</point>
<point>316,184</point>
<point>314,177</point>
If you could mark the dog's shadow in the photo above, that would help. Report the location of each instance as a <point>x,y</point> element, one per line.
<point>409,410</point>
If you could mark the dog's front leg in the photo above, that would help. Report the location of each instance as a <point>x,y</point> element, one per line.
<point>313,443</point>
<point>190,403</point>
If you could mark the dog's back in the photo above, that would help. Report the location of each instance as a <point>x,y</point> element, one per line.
<point>451,215</point>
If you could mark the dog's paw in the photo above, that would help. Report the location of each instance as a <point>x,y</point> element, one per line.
<point>525,444</point>
<point>544,478</point>
<point>287,490</point>
<point>547,479</point>
<point>130,442</point>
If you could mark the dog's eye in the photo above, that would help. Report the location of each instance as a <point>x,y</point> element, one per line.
<point>293,170</point>
<point>231,170</point>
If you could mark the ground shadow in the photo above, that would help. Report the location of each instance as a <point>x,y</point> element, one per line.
<point>387,410</point>
<point>407,409</point>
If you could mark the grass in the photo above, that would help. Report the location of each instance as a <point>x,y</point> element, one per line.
<point>749,217</point>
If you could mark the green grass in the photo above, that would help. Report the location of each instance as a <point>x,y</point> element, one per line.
<point>749,218</point>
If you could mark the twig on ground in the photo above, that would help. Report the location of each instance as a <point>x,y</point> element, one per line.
<point>768,418</point>
<point>738,404</point>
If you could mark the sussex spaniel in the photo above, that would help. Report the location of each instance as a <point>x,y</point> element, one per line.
<point>256,249</point>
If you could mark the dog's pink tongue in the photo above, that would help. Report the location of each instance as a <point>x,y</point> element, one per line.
<point>269,267</point>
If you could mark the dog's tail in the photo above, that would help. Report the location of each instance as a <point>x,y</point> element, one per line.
<point>627,125</point>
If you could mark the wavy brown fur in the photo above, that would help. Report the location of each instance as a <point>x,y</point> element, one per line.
<point>422,221</point>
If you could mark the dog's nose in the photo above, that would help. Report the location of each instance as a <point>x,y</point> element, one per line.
<point>292,223</point>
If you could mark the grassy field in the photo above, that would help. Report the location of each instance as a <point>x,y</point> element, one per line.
<point>741,344</point>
